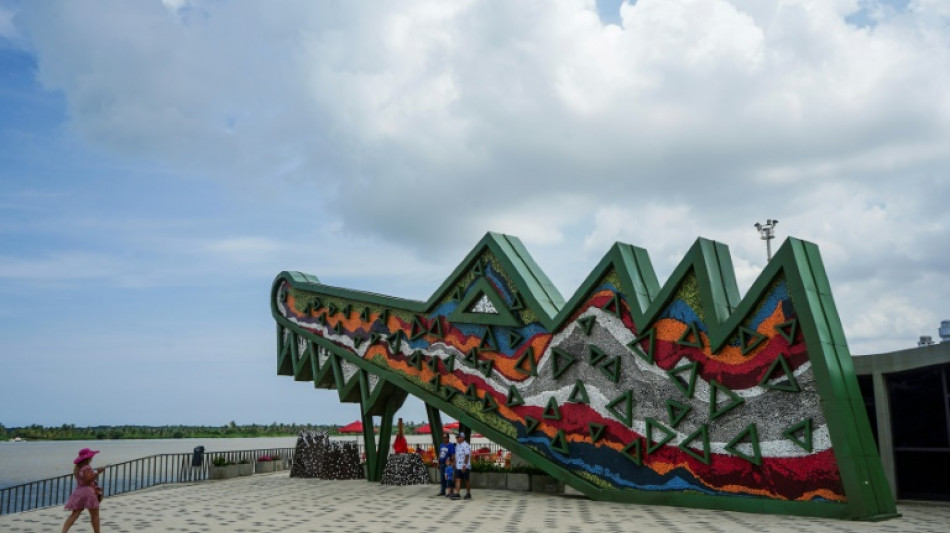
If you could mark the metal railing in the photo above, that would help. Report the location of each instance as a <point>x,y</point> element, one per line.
<point>129,476</point>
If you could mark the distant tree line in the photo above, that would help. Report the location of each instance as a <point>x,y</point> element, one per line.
<point>72,432</point>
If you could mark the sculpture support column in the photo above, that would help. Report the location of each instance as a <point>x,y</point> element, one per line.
<point>435,426</point>
<point>369,444</point>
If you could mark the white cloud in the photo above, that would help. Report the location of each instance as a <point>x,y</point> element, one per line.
<point>7,29</point>
<point>425,124</point>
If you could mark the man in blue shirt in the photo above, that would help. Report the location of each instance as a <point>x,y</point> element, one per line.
<point>446,450</point>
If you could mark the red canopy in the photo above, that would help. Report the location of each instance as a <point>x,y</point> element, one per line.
<point>428,429</point>
<point>353,427</point>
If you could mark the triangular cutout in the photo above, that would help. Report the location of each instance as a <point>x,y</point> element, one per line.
<point>517,302</point>
<point>357,341</point>
<point>364,315</point>
<point>465,313</point>
<point>477,268</point>
<point>635,345</point>
<point>587,324</point>
<point>488,341</point>
<point>622,408</point>
<point>552,411</point>
<point>436,328</point>
<point>471,393</point>
<point>530,424</point>
<point>749,339</point>
<point>338,328</point>
<point>560,361</point>
<point>488,403</point>
<point>691,337</point>
<point>514,397</point>
<point>634,451</point>
<point>805,440</point>
<point>433,363</point>
<point>514,339</point>
<point>559,443</point>
<point>395,342</point>
<point>596,431</point>
<point>579,393</point>
<point>788,330</point>
<point>702,433</point>
<point>688,386</point>
<point>596,354</point>
<point>613,306</point>
<point>751,433</point>
<point>526,363</point>
<point>332,309</point>
<point>471,357</point>
<point>654,444</point>
<point>384,318</point>
<point>449,363</point>
<point>482,305</point>
<point>448,393</point>
<point>415,360</point>
<point>347,311</point>
<point>486,367</point>
<point>715,390</point>
<point>789,384</point>
<point>611,368</point>
<point>418,329</point>
<point>374,338</point>
<point>677,411</point>
<point>436,382</point>
<point>457,294</point>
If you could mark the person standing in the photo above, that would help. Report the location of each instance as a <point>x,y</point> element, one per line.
<point>463,467</point>
<point>449,475</point>
<point>400,445</point>
<point>446,451</point>
<point>87,493</point>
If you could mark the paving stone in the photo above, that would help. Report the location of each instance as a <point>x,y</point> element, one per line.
<point>267,503</point>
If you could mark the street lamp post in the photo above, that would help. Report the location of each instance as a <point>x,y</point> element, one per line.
<point>767,231</point>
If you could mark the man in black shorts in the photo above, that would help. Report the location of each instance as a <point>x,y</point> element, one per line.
<point>463,467</point>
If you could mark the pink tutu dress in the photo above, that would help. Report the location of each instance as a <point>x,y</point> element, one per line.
<point>84,495</point>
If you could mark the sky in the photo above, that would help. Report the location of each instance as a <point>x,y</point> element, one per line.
<point>162,161</point>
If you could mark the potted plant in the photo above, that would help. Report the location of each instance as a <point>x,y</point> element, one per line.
<point>245,468</point>
<point>488,475</point>
<point>222,468</point>
<point>267,463</point>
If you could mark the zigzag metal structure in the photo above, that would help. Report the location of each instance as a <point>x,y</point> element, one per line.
<point>682,394</point>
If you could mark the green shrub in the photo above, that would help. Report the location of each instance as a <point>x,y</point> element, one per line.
<point>221,461</point>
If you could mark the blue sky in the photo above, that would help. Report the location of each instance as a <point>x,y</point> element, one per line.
<point>161,162</point>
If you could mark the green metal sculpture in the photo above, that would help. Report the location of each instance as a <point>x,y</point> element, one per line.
<point>681,394</point>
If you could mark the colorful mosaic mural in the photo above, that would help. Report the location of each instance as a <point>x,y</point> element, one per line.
<point>681,394</point>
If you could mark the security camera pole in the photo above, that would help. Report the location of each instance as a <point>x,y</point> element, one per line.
<point>767,231</point>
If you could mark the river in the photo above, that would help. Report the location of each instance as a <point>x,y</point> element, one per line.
<point>21,462</point>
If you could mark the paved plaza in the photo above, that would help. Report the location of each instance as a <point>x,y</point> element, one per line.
<point>271,503</point>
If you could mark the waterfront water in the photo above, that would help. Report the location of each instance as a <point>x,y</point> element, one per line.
<point>22,462</point>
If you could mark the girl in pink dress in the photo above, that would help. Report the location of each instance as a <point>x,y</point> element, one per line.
<point>86,493</point>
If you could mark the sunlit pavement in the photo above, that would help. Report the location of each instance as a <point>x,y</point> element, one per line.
<point>276,503</point>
